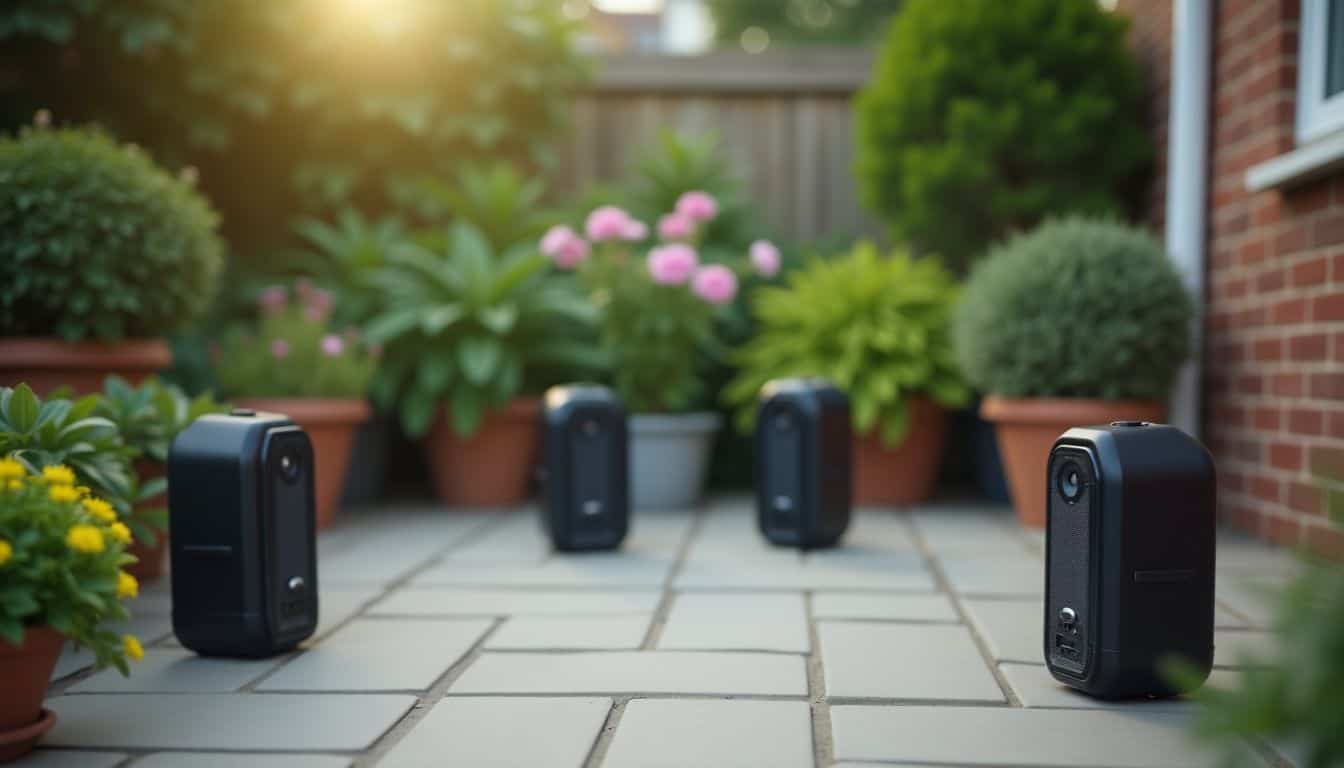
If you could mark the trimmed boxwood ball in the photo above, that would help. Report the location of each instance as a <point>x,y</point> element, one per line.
<point>983,117</point>
<point>1077,308</point>
<point>97,242</point>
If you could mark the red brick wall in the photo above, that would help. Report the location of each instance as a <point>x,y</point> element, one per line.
<point>1274,346</point>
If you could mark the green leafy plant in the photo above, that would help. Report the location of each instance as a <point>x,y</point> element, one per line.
<point>353,101</point>
<point>470,330</point>
<point>878,326</point>
<point>983,118</point>
<point>504,204</point>
<point>42,434</point>
<point>1075,308</point>
<point>345,252</point>
<point>294,350</point>
<point>61,554</point>
<point>1297,696</point>
<point>98,242</point>
<point>148,417</point>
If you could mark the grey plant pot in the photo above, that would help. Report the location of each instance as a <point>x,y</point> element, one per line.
<point>669,456</point>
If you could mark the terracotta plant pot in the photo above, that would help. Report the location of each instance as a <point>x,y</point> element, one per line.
<point>149,567</point>
<point>330,424</point>
<point>26,670</point>
<point>904,474</point>
<point>1026,430</point>
<point>47,364</point>
<point>492,467</point>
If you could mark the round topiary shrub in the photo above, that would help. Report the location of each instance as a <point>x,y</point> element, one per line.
<point>1077,308</point>
<point>983,117</point>
<point>96,241</point>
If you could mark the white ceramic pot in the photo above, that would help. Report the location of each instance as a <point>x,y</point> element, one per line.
<point>669,456</point>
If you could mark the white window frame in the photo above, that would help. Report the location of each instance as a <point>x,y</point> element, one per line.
<point>1317,116</point>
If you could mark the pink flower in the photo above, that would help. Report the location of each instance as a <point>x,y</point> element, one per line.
<point>332,345</point>
<point>565,247</point>
<point>715,284</point>
<point>279,349</point>
<point>302,287</point>
<point>606,224</point>
<point>698,206</point>
<point>273,299</point>
<point>765,257</point>
<point>318,304</point>
<point>635,230</point>
<point>675,226</point>
<point>672,264</point>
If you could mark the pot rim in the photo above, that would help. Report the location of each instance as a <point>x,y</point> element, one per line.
<point>1074,411</point>
<point>676,423</point>
<point>314,410</point>
<point>30,733</point>
<point>53,353</point>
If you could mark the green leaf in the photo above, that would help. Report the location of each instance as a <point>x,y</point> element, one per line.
<point>479,358</point>
<point>391,325</point>
<point>467,409</point>
<point>435,319</point>
<point>499,319</point>
<point>23,406</point>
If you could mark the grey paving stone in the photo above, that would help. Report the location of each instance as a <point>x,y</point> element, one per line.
<point>882,571</point>
<point>512,539</point>
<point>149,629</point>
<point>1240,648</point>
<point>656,733</point>
<point>997,576</point>
<point>597,570</point>
<point>224,721</point>
<point>1011,628</point>
<point>635,672</point>
<point>506,732</point>
<point>1254,596</point>
<point>389,546</point>
<point>882,606</point>
<point>1008,736</point>
<point>561,633</point>
<point>1222,617</point>
<point>516,602</point>
<point>155,599</point>
<point>68,758</point>
<point>1036,688</point>
<point>978,531</point>
<point>380,655</point>
<point>903,661</point>
<point>173,671</point>
<point>737,621</point>
<point>251,760</point>
<point>877,530</point>
<point>335,604</point>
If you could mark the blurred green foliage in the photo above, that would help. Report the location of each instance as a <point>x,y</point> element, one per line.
<point>301,105</point>
<point>803,22</point>
<point>982,118</point>
<point>97,242</point>
<point>1076,308</point>
<point>876,325</point>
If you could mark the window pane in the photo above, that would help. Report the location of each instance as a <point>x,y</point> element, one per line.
<point>1334,49</point>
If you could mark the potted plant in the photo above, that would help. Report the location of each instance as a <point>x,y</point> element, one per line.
<point>295,362</point>
<point>1080,321</point>
<point>61,557</point>
<point>879,327</point>
<point>149,417</point>
<point>469,339</point>
<point>102,253</point>
<point>658,308</point>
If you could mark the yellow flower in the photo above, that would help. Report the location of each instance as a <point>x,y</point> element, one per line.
<point>83,490</point>
<point>6,552</point>
<point>127,586</point>
<point>120,533</point>
<point>132,647</point>
<point>14,485</point>
<point>58,474</point>
<point>84,538</point>
<point>10,469</point>
<point>101,510</point>
<point>63,493</point>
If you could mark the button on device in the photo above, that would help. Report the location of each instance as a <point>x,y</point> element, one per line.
<point>244,412</point>
<point>1129,423</point>
<point>296,584</point>
<point>1067,617</point>
<point>783,504</point>
<point>592,508</point>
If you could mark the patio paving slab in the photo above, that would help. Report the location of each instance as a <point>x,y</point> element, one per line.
<point>991,575</point>
<point>514,602</point>
<point>174,671</point>
<point>502,733</point>
<point>882,607</point>
<point>588,633</point>
<point>68,758</point>
<point>225,721</point>
<point>380,655</point>
<point>637,672</point>
<point>675,734</point>
<point>912,662</point>
<point>251,760</point>
<point>1036,688</point>
<point>1008,736</point>
<point>745,621</point>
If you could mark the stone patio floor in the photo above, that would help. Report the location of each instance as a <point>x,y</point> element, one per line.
<point>460,639</point>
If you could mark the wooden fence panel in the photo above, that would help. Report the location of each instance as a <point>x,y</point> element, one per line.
<point>783,120</point>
